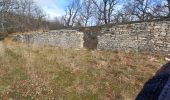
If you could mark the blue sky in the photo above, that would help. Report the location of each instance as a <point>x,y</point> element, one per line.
<point>53,8</point>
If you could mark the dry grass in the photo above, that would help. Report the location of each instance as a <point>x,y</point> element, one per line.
<point>48,73</point>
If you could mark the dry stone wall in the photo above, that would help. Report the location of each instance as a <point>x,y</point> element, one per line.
<point>61,38</point>
<point>151,36</point>
<point>145,36</point>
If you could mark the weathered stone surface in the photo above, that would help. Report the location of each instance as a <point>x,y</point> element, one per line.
<point>62,38</point>
<point>145,36</point>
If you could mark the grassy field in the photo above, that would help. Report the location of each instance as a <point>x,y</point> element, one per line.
<point>48,73</point>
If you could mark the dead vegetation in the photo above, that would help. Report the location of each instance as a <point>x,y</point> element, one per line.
<point>48,73</point>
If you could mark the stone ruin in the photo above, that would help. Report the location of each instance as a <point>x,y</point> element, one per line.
<point>153,36</point>
<point>145,36</point>
<point>61,38</point>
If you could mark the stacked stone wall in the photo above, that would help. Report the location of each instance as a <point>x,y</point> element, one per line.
<point>141,36</point>
<point>145,36</point>
<point>61,38</point>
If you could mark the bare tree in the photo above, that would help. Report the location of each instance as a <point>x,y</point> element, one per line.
<point>86,11</point>
<point>71,13</point>
<point>105,8</point>
<point>20,15</point>
<point>141,9</point>
<point>146,9</point>
<point>6,6</point>
<point>162,8</point>
<point>168,5</point>
<point>57,23</point>
<point>123,16</point>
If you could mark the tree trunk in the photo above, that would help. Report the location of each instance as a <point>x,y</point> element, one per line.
<point>105,12</point>
<point>168,8</point>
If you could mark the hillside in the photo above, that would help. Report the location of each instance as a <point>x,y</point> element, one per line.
<point>30,72</point>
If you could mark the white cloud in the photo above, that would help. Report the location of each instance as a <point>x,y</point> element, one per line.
<point>53,8</point>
